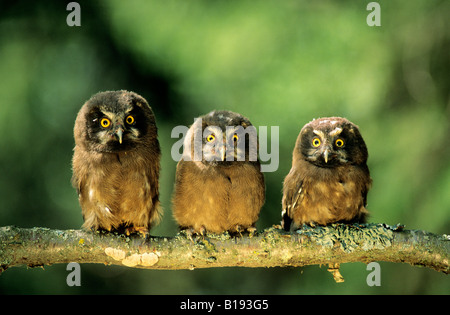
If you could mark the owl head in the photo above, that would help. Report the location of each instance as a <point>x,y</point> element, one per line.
<point>114,121</point>
<point>331,142</point>
<point>221,137</point>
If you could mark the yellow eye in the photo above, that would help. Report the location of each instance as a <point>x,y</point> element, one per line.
<point>210,138</point>
<point>316,142</point>
<point>105,122</point>
<point>339,143</point>
<point>235,138</point>
<point>129,120</point>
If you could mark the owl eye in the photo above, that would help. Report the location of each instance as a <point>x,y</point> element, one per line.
<point>339,143</point>
<point>105,122</point>
<point>210,138</point>
<point>316,142</point>
<point>129,120</point>
<point>235,138</point>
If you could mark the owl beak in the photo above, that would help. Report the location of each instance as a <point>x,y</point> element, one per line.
<point>119,134</point>
<point>223,153</point>
<point>325,155</point>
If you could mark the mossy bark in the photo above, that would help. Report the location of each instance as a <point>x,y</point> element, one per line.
<point>331,245</point>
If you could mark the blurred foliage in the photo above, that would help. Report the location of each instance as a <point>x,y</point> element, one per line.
<point>280,63</point>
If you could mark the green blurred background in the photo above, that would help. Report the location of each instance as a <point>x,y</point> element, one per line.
<point>280,63</point>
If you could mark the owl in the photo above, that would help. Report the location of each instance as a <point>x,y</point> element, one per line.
<point>116,163</point>
<point>219,185</point>
<point>329,178</point>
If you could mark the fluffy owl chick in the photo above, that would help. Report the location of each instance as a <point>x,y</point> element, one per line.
<point>219,185</point>
<point>116,163</point>
<point>329,178</point>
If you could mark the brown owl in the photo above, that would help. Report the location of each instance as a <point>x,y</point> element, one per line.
<point>116,163</point>
<point>329,178</point>
<point>219,185</point>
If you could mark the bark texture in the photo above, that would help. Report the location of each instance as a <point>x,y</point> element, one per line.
<point>331,245</point>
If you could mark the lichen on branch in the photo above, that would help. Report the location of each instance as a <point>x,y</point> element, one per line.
<point>330,245</point>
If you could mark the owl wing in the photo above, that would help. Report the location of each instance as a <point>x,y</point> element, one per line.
<point>76,181</point>
<point>365,189</point>
<point>76,184</point>
<point>153,185</point>
<point>292,197</point>
<point>367,185</point>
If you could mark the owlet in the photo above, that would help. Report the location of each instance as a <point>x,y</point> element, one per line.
<point>219,185</point>
<point>116,163</point>
<point>329,178</point>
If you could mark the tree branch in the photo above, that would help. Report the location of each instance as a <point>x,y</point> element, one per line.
<point>335,244</point>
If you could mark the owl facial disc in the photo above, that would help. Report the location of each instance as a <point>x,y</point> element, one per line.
<point>220,143</point>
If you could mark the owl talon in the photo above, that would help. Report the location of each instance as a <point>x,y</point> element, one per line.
<point>239,229</point>
<point>143,231</point>
<point>191,233</point>
<point>202,231</point>
<point>251,231</point>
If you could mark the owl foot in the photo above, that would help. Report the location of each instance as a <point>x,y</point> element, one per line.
<point>239,229</point>
<point>251,231</point>
<point>143,231</point>
<point>99,229</point>
<point>191,232</point>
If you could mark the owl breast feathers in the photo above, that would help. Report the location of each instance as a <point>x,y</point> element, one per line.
<point>329,178</point>
<point>116,163</point>
<point>222,189</point>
